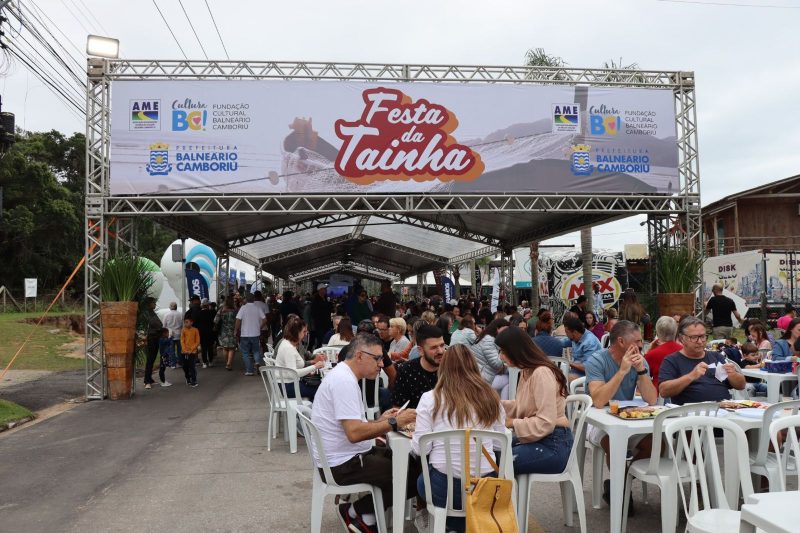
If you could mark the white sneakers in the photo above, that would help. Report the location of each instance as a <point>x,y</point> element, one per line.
<point>205,365</point>
<point>422,521</point>
<point>147,386</point>
<point>166,384</point>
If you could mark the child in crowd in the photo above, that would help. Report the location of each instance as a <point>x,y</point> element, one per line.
<point>751,358</point>
<point>166,347</point>
<point>190,348</point>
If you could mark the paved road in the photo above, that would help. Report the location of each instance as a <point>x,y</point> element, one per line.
<point>46,391</point>
<point>180,459</point>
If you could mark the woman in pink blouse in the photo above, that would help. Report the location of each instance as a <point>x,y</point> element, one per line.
<point>542,437</point>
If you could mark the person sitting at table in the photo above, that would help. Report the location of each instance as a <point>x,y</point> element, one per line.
<point>465,334</point>
<point>666,330</point>
<point>397,332</point>
<point>344,333</point>
<point>685,376</point>
<point>460,399</point>
<point>551,346</point>
<point>338,414</point>
<point>614,373</point>
<point>414,353</point>
<point>751,358</point>
<point>542,438</point>
<point>784,347</point>
<point>287,356</point>
<point>759,337</point>
<point>491,366</point>
<point>583,343</point>
<point>418,376</point>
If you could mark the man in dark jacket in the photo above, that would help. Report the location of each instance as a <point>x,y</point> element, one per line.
<point>387,303</point>
<point>205,325</point>
<point>321,311</point>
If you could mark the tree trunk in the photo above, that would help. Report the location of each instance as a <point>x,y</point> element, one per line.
<point>534,275</point>
<point>456,278</point>
<point>438,274</point>
<point>586,258</point>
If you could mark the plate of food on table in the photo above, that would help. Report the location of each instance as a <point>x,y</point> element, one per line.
<point>635,412</point>
<point>738,405</point>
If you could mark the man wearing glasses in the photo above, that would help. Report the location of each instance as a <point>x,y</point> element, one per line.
<point>691,375</point>
<point>347,436</point>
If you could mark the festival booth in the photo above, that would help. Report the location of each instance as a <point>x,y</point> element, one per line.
<point>383,171</point>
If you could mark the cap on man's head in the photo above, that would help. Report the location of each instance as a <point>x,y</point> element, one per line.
<point>194,298</point>
<point>204,301</point>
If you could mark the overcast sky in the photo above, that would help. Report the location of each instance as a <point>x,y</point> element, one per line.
<point>745,59</point>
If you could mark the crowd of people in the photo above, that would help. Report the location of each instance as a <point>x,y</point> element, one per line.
<point>446,366</point>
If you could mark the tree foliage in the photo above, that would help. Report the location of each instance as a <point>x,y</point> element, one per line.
<point>41,227</point>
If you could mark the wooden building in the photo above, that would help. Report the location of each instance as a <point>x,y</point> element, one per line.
<point>765,217</point>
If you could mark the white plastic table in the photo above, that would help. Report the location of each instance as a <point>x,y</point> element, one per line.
<point>771,512</point>
<point>619,431</point>
<point>773,381</point>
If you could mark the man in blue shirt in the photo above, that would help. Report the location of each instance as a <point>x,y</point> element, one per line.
<point>583,343</point>
<point>685,376</point>
<point>614,374</point>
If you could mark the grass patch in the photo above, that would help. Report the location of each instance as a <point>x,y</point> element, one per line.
<point>11,412</point>
<point>44,351</point>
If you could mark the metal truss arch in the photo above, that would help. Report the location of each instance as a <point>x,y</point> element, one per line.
<point>450,215</point>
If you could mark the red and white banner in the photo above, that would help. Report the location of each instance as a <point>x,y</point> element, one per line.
<point>330,137</point>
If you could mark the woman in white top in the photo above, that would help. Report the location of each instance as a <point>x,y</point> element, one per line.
<point>288,357</point>
<point>461,399</point>
<point>344,333</point>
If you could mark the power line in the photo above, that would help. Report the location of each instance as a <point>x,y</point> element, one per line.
<point>75,17</point>
<point>193,30</point>
<point>217,28</point>
<point>85,17</point>
<point>170,29</point>
<point>91,14</point>
<point>47,29</point>
<point>727,4</point>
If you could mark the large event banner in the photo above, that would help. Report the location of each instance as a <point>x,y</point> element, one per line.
<point>275,136</point>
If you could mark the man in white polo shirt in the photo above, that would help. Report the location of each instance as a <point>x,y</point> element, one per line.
<point>346,434</point>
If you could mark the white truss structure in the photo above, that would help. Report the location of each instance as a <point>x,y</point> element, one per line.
<point>104,210</point>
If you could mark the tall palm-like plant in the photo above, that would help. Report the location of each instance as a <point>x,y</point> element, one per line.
<point>124,279</point>
<point>678,269</point>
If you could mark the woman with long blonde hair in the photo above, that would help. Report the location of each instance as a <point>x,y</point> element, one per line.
<point>461,399</point>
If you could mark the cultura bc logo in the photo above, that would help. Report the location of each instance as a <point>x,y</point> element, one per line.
<point>580,162</point>
<point>159,160</point>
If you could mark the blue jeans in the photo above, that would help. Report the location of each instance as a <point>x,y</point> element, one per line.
<point>439,496</point>
<point>251,350</point>
<point>546,456</point>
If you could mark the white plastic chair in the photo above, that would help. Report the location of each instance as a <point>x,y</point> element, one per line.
<point>790,455</point>
<point>324,485</point>
<point>762,461</point>
<point>658,470</point>
<point>605,340</point>
<point>694,451</point>
<point>513,382</point>
<point>331,352</point>
<point>578,386</point>
<point>373,412</point>
<point>454,446</point>
<point>275,380</point>
<point>563,364</point>
<point>578,405</point>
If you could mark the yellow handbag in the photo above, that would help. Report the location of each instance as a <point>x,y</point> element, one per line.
<point>489,504</point>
